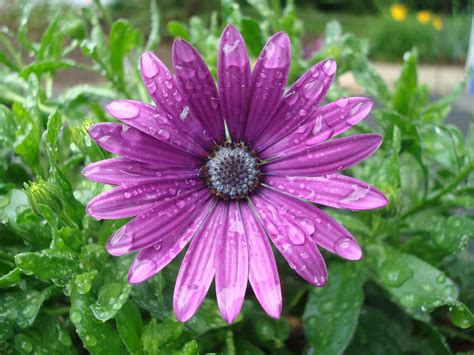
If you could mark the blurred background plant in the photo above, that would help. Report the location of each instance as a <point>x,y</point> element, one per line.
<point>61,293</point>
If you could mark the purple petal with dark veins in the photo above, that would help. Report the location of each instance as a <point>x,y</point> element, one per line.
<point>152,260</point>
<point>291,236</point>
<point>233,73</point>
<point>118,171</point>
<point>167,216</point>
<point>267,84</point>
<point>299,103</point>
<point>326,158</point>
<point>136,145</point>
<point>325,122</point>
<point>334,190</point>
<point>198,87</point>
<point>130,200</point>
<point>155,122</point>
<point>232,266</point>
<point>319,227</point>
<point>263,272</point>
<point>167,94</point>
<point>198,267</point>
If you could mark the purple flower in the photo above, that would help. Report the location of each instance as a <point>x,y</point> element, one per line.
<point>229,168</point>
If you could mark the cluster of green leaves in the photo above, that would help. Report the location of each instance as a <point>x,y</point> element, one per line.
<point>60,292</point>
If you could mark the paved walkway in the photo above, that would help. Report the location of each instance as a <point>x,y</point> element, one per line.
<point>441,79</point>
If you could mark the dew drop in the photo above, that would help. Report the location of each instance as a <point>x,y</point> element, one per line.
<point>329,67</point>
<point>123,110</point>
<point>342,102</point>
<point>163,133</point>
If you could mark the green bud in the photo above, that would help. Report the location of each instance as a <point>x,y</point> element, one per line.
<point>44,193</point>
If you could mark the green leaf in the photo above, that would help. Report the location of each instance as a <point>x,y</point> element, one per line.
<point>411,281</point>
<point>123,38</point>
<point>154,36</point>
<point>49,37</point>
<point>57,266</point>
<point>439,235</point>
<point>7,127</point>
<point>462,316</point>
<point>445,145</point>
<point>157,335</point>
<point>129,325</point>
<point>155,295</point>
<point>377,333</point>
<point>438,110</point>
<point>18,310</point>
<point>406,84</point>
<point>190,348</point>
<point>366,75</point>
<point>7,62</point>
<point>97,337</point>
<point>111,297</point>
<point>46,66</point>
<point>47,336</point>
<point>178,29</point>
<point>331,313</point>
<point>11,278</point>
<point>207,318</point>
<point>252,34</point>
<point>74,211</point>
<point>27,136</point>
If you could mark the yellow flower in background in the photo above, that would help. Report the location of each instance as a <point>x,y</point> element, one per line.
<point>437,23</point>
<point>423,16</point>
<point>398,12</point>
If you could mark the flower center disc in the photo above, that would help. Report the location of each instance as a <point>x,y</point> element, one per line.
<point>232,171</point>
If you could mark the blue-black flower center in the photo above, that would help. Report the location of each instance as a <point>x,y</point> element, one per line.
<point>232,171</point>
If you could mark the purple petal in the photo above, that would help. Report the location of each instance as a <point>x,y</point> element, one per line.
<point>299,103</point>
<point>118,171</point>
<point>167,217</point>
<point>198,267</point>
<point>292,236</point>
<point>233,73</point>
<point>167,94</point>
<point>136,145</point>
<point>321,228</point>
<point>232,265</point>
<point>154,122</point>
<point>263,273</point>
<point>326,122</point>
<point>199,88</point>
<point>326,158</point>
<point>267,84</point>
<point>335,190</point>
<point>130,200</point>
<point>152,260</point>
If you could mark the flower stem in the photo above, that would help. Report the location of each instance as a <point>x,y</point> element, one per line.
<point>448,188</point>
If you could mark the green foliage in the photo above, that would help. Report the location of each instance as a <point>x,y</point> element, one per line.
<point>61,293</point>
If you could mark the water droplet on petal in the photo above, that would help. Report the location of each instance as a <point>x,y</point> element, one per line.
<point>329,68</point>
<point>123,110</point>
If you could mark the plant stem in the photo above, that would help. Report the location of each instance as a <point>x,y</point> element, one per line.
<point>448,188</point>
<point>59,311</point>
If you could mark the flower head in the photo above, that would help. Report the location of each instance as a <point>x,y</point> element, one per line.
<point>228,168</point>
<point>398,12</point>
<point>437,23</point>
<point>423,17</point>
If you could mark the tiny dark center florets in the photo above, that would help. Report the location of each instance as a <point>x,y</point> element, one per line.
<point>232,171</point>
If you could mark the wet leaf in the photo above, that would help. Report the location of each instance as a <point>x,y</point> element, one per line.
<point>97,337</point>
<point>57,266</point>
<point>18,310</point>
<point>331,313</point>
<point>129,325</point>
<point>413,282</point>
